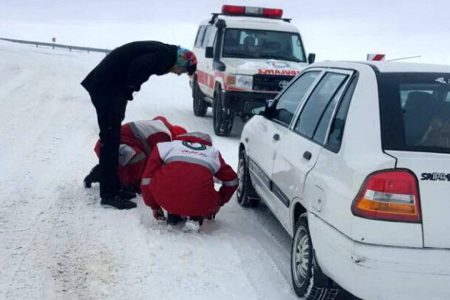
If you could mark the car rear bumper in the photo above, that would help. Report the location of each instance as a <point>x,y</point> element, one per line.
<point>380,272</point>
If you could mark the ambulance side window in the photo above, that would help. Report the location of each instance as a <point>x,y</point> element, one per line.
<point>200,35</point>
<point>208,30</point>
<point>210,36</point>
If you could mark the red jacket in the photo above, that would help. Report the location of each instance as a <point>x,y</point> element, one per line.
<point>136,141</point>
<point>144,135</point>
<point>179,177</point>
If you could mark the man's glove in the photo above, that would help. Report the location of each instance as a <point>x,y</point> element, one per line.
<point>158,214</point>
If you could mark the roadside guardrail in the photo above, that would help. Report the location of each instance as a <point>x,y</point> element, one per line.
<point>54,45</point>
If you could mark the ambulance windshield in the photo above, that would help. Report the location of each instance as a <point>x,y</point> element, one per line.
<point>263,44</point>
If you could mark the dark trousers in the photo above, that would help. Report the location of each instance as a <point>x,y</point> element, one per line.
<point>110,109</point>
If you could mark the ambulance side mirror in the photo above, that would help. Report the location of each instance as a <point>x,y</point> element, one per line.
<point>209,52</point>
<point>311,58</point>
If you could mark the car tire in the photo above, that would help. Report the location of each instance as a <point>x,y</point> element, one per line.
<point>245,193</point>
<point>308,280</point>
<point>199,105</point>
<point>222,117</point>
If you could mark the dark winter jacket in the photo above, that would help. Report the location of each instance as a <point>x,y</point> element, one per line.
<point>129,66</point>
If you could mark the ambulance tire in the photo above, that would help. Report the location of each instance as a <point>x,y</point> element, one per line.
<point>200,106</point>
<point>222,117</point>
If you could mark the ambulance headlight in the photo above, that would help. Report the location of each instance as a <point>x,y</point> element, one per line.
<point>244,82</point>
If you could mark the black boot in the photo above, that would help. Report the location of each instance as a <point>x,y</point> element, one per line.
<point>93,176</point>
<point>174,219</point>
<point>126,194</point>
<point>118,202</point>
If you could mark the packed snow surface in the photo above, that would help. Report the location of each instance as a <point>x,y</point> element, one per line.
<point>57,242</point>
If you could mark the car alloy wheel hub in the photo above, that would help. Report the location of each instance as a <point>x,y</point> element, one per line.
<point>301,258</point>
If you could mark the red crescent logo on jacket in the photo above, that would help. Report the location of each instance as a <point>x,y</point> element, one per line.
<point>198,147</point>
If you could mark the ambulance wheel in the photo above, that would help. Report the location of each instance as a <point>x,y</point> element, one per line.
<point>245,193</point>
<point>222,117</point>
<point>200,106</point>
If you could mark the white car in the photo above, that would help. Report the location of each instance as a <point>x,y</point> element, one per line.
<point>353,159</point>
<point>246,55</point>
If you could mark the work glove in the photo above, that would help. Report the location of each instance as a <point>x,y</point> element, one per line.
<point>158,214</point>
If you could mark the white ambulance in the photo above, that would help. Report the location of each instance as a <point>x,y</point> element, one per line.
<point>246,55</point>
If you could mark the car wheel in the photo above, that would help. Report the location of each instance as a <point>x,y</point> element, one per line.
<point>222,117</point>
<point>307,278</point>
<point>199,105</point>
<point>245,193</point>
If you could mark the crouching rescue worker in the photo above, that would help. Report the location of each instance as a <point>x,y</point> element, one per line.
<point>179,178</point>
<point>111,84</point>
<point>137,139</point>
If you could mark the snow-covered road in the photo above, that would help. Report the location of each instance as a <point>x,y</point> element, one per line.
<point>57,242</point>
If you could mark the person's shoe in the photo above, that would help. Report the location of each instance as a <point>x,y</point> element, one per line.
<point>173,219</point>
<point>93,176</point>
<point>126,194</point>
<point>87,182</point>
<point>118,202</point>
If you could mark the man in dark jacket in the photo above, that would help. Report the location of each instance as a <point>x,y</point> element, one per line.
<point>111,84</point>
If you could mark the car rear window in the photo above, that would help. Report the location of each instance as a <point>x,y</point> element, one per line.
<point>415,111</point>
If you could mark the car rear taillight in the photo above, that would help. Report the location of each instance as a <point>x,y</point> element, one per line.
<point>390,195</point>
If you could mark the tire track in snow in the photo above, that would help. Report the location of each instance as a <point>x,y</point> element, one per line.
<point>267,243</point>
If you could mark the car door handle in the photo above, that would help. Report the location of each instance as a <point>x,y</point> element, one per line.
<point>276,137</point>
<point>307,155</point>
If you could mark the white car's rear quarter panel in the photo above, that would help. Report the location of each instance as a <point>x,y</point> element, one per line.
<point>434,194</point>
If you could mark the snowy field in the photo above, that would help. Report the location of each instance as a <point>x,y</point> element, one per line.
<point>57,242</point>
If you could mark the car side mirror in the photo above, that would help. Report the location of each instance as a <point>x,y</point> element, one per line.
<point>311,58</point>
<point>270,103</point>
<point>269,108</point>
<point>209,52</point>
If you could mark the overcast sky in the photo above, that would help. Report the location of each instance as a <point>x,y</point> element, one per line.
<point>345,29</point>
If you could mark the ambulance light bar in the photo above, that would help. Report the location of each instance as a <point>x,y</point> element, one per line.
<point>237,10</point>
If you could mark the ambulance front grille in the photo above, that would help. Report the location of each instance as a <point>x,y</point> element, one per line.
<point>270,82</point>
